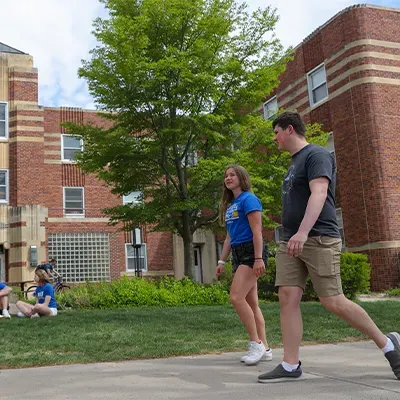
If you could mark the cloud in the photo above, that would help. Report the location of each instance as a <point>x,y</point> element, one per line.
<point>57,33</point>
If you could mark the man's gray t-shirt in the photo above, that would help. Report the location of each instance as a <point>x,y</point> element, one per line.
<point>309,163</point>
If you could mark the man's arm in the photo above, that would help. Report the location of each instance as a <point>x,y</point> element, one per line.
<point>316,201</point>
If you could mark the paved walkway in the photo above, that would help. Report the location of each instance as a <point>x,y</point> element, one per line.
<point>333,372</point>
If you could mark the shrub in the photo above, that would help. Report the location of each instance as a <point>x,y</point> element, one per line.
<point>356,273</point>
<point>135,292</point>
<point>393,292</point>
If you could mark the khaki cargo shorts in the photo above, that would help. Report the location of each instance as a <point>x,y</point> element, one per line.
<point>320,258</point>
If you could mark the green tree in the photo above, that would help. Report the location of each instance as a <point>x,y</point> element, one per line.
<point>181,83</point>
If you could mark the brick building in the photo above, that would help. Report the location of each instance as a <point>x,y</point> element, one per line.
<point>50,208</point>
<point>346,75</point>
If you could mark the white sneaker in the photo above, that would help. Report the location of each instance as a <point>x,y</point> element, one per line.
<point>256,352</point>
<point>36,315</point>
<point>267,356</point>
<point>21,314</point>
<point>6,314</point>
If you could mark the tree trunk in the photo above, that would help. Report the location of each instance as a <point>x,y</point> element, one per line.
<point>188,247</point>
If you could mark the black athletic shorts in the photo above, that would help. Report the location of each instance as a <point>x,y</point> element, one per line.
<point>243,254</point>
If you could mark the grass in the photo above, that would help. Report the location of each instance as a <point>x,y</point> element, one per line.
<point>138,333</point>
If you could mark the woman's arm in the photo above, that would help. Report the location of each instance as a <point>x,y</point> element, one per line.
<point>255,221</point>
<point>226,249</point>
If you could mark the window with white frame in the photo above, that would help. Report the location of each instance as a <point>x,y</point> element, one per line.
<point>3,120</point>
<point>131,257</point>
<point>74,202</point>
<point>132,198</point>
<point>270,108</point>
<point>81,257</point>
<point>339,218</point>
<point>71,147</point>
<point>317,85</point>
<point>3,186</point>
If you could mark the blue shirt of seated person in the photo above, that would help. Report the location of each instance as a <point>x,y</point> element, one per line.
<point>46,290</point>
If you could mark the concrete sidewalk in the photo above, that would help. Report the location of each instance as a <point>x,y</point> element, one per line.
<point>343,371</point>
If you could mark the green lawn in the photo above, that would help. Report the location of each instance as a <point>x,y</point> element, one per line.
<point>134,333</point>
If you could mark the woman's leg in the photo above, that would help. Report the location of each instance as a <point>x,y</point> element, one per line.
<point>25,308</point>
<point>43,310</point>
<point>243,282</point>
<point>252,300</point>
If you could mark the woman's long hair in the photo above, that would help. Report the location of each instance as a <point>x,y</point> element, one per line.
<point>42,276</point>
<point>227,194</point>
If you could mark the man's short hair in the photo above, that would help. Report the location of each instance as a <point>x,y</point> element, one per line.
<point>290,118</point>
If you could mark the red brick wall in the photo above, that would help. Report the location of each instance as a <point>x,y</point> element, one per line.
<point>365,121</point>
<point>23,90</point>
<point>97,197</point>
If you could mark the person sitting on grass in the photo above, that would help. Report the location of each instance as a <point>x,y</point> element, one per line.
<point>46,305</point>
<point>4,292</point>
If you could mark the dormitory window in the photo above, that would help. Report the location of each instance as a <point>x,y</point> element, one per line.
<point>3,121</point>
<point>71,147</point>
<point>317,86</point>
<point>132,198</point>
<point>74,202</point>
<point>131,257</point>
<point>81,257</point>
<point>3,186</point>
<point>270,108</point>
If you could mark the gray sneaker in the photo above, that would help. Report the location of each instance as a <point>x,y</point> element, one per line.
<point>394,356</point>
<point>279,374</point>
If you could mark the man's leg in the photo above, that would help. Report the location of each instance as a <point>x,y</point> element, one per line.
<point>324,269</point>
<point>355,316</point>
<point>291,276</point>
<point>291,322</point>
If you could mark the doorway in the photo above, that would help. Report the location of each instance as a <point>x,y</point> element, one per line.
<point>197,264</point>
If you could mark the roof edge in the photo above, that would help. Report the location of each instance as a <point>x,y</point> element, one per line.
<point>345,10</point>
<point>16,51</point>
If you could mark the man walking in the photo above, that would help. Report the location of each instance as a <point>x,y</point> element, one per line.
<point>312,245</point>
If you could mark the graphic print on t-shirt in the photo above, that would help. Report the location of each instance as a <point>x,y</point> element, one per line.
<point>289,178</point>
<point>232,213</point>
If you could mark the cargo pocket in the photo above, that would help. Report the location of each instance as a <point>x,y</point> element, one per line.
<point>328,255</point>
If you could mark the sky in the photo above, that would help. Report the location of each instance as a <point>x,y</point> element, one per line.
<point>57,33</point>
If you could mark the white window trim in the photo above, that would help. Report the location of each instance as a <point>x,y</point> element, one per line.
<point>7,187</point>
<point>83,202</point>
<point>68,148</point>
<point>267,102</point>
<point>126,257</point>
<point>310,89</point>
<point>6,120</point>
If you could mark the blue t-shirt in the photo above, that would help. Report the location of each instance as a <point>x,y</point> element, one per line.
<point>2,285</point>
<point>236,220</point>
<point>46,290</point>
